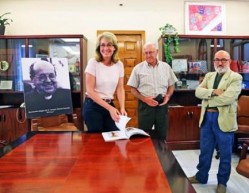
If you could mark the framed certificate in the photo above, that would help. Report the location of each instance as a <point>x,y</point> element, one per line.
<point>180,65</point>
<point>6,84</point>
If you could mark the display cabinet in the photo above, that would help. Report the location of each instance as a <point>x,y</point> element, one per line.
<point>190,65</point>
<point>196,58</point>
<point>14,48</point>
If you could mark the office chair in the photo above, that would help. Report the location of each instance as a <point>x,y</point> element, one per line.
<point>243,122</point>
<point>243,165</point>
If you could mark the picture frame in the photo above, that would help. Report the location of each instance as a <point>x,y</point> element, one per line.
<point>180,65</point>
<point>199,66</point>
<point>205,18</point>
<point>6,85</point>
<point>54,73</point>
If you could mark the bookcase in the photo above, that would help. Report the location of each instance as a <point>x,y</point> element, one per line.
<point>190,65</point>
<point>13,48</point>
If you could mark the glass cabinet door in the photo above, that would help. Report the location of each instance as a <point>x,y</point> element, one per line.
<point>68,48</point>
<point>240,50</point>
<point>199,54</point>
<point>11,52</point>
<point>195,54</point>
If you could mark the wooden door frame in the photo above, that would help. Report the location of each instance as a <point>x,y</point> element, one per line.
<point>127,32</point>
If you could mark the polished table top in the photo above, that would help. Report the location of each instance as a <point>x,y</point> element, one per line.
<point>79,162</point>
<point>121,166</point>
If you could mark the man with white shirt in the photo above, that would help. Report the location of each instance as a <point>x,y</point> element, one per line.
<point>152,83</point>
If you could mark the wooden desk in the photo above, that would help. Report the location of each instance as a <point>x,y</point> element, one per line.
<point>79,162</point>
<point>123,166</point>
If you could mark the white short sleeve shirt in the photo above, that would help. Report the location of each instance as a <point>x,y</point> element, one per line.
<point>151,81</point>
<point>107,77</point>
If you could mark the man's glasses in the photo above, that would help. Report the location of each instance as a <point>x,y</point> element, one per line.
<point>106,45</point>
<point>222,60</point>
<point>44,77</point>
<point>149,53</point>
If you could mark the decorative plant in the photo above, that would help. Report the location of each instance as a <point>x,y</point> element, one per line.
<point>171,37</point>
<point>5,21</point>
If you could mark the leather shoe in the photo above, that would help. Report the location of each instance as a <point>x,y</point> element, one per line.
<point>193,180</point>
<point>221,188</point>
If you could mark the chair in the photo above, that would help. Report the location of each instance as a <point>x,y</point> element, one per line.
<point>243,121</point>
<point>56,123</point>
<point>243,165</point>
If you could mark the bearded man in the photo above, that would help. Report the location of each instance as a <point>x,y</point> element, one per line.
<point>219,92</point>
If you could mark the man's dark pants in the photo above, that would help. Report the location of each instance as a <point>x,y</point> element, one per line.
<point>149,116</point>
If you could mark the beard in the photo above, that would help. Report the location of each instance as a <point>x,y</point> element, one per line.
<point>221,70</point>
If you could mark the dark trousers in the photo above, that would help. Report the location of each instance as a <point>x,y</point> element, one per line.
<point>149,116</point>
<point>97,118</point>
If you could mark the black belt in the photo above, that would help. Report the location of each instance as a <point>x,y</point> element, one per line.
<point>106,100</point>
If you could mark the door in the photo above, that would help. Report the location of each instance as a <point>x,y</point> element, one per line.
<point>130,53</point>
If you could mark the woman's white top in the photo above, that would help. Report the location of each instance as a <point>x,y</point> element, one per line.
<point>106,77</point>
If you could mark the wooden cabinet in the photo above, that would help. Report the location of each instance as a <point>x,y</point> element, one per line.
<point>21,123</point>
<point>14,48</point>
<point>183,130</point>
<point>12,124</point>
<point>6,125</point>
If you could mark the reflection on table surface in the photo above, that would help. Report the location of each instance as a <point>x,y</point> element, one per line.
<point>78,162</point>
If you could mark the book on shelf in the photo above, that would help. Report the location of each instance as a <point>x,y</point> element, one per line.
<point>123,132</point>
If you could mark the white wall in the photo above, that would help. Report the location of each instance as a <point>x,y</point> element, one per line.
<point>34,17</point>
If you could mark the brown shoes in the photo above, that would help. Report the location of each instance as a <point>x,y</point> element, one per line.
<point>193,180</point>
<point>221,188</point>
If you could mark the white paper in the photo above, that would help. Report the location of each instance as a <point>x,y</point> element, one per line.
<point>121,124</point>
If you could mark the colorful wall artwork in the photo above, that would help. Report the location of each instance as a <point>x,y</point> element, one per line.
<point>204,18</point>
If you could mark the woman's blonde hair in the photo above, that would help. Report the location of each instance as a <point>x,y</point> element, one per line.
<point>111,38</point>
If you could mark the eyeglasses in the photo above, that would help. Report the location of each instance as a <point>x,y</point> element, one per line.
<point>222,60</point>
<point>106,45</point>
<point>44,77</point>
<point>149,53</point>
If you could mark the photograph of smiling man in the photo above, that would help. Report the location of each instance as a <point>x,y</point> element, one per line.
<point>47,89</point>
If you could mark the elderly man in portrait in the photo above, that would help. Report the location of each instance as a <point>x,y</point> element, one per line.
<point>46,97</point>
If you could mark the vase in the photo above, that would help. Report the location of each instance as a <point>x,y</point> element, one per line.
<point>2,29</point>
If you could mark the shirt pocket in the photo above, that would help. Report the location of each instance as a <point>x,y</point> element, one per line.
<point>145,77</point>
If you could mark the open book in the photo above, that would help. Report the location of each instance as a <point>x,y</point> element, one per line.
<point>123,133</point>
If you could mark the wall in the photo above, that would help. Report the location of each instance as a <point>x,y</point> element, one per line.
<point>86,17</point>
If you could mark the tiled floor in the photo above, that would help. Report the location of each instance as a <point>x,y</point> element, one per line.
<point>188,159</point>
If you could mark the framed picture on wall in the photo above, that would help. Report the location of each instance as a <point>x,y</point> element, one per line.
<point>203,18</point>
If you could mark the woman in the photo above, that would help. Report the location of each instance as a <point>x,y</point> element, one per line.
<point>104,76</point>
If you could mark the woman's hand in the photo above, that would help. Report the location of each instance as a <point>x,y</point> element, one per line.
<point>114,113</point>
<point>123,112</point>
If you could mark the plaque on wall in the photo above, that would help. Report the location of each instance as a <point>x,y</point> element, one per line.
<point>6,84</point>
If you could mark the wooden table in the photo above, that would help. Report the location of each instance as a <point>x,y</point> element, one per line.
<point>84,163</point>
